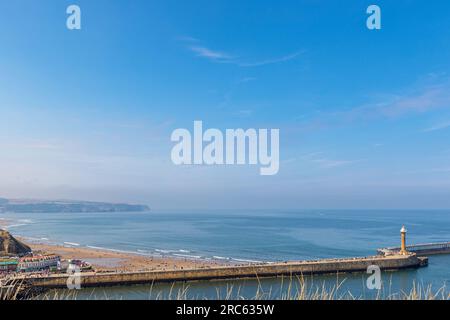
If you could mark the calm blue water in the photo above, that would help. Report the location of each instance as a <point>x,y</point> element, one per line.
<point>250,235</point>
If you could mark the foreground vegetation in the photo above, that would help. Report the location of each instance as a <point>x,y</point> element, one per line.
<point>292,289</point>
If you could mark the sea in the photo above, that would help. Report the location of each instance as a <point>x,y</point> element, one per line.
<point>242,236</point>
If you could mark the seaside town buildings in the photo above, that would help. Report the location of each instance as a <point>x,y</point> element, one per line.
<point>34,263</point>
<point>8,265</point>
<point>39,263</point>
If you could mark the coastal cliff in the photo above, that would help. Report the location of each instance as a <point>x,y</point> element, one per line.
<point>10,246</point>
<point>57,206</point>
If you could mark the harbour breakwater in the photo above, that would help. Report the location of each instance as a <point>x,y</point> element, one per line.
<point>328,266</point>
<point>427,249</point>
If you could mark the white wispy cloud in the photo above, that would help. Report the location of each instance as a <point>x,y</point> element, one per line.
<point>219,56</point>
<point>423,100</point>
<point>272,61</point>
<point>289,160</point>
<point>211,54</point>
<point>439,126</point>
<point>243,113</point>
<point>418,99</point>
<point>246,79</point>
<point>324,162</point>
<point>311,155</point>
<point>187,39</point>
<point>331,163</point>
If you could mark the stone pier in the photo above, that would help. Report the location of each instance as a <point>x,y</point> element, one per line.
<point>327,266</point>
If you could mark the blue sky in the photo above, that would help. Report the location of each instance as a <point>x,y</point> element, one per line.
<point>364,116</point>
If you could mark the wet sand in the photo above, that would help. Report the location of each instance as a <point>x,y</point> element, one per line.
<point>103,260</point>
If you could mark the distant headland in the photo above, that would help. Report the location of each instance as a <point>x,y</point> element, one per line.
<point>61,206</point>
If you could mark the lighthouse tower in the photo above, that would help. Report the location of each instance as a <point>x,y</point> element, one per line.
<point>403,245</point>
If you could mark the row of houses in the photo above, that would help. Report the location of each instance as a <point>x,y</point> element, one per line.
<point>30,264</point>
<point>8,265</point>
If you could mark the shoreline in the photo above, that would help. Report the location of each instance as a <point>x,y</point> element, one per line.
<point>115,260</point>
<point>111,259</point>
<point>107,260</point>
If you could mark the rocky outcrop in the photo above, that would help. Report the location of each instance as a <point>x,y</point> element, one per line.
<point>10,246</point>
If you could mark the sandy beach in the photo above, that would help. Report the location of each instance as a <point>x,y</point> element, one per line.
<point>103,260</point>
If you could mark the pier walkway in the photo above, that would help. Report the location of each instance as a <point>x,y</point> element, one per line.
<point>426,249</point>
